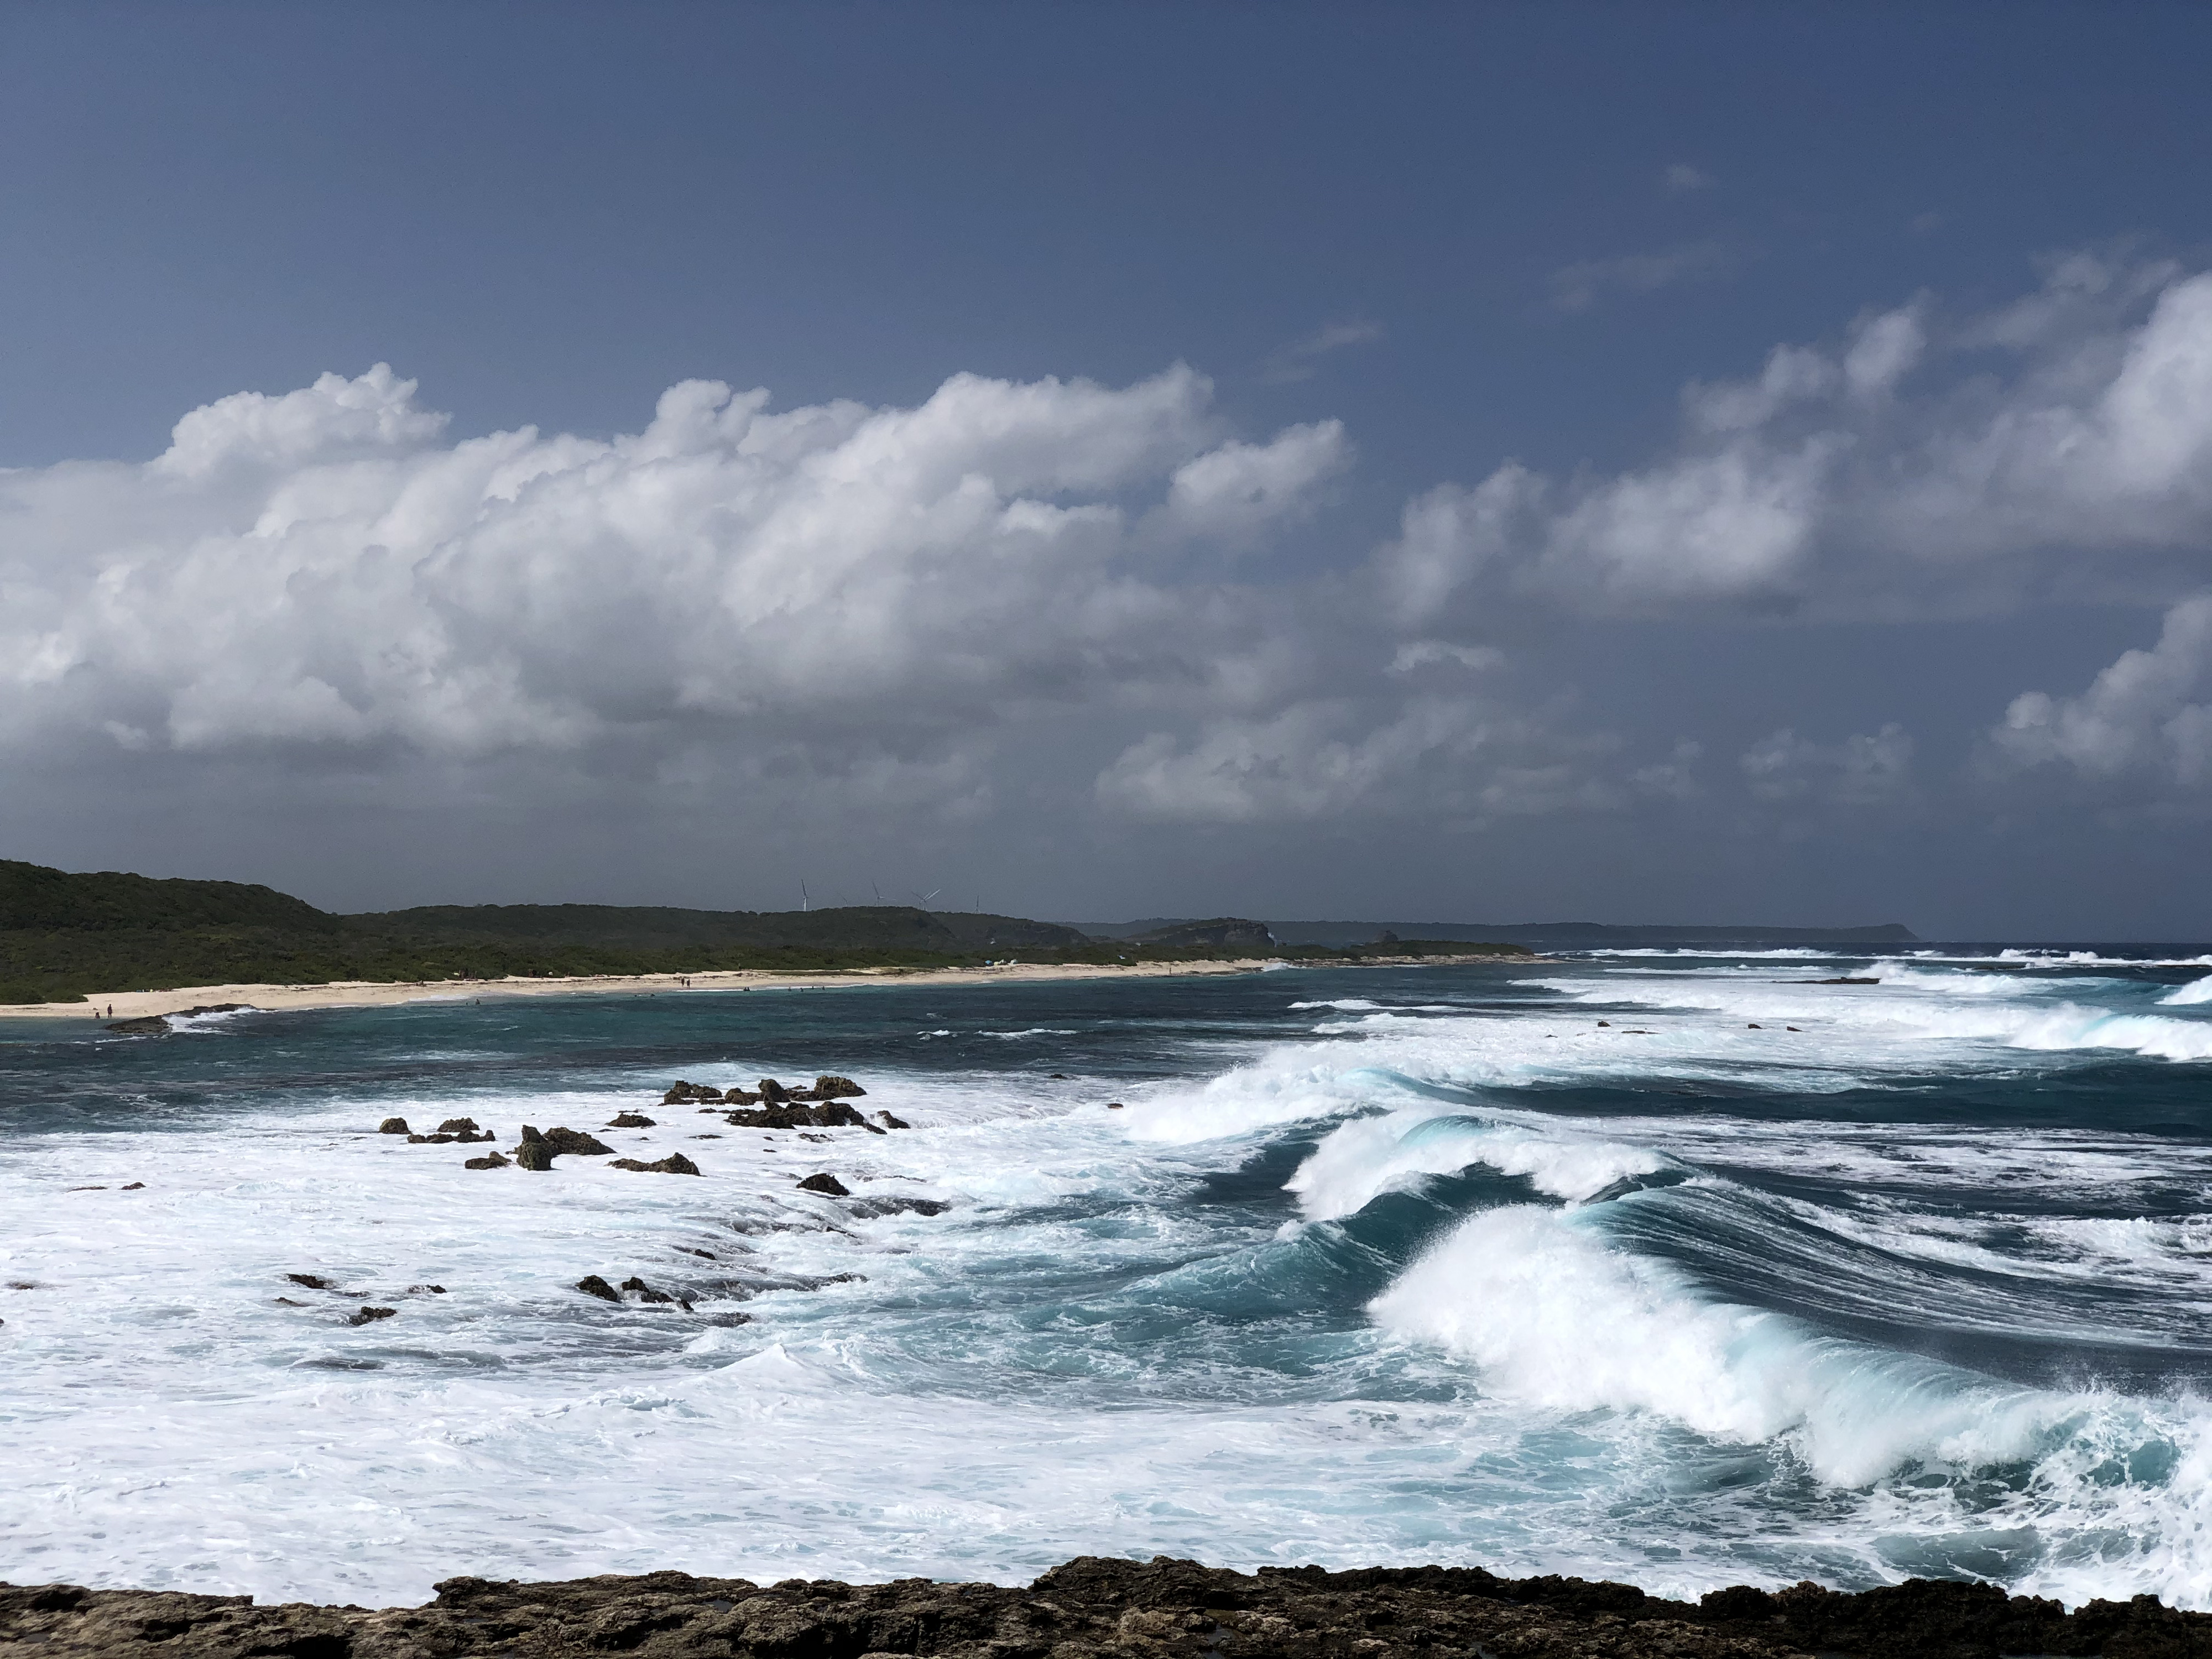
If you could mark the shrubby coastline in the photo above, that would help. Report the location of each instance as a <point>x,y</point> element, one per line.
<point>65,939</point>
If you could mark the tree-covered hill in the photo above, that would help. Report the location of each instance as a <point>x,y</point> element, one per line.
<point>33,897</point>
<point>63,936</point>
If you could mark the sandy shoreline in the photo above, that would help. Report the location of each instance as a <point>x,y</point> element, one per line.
<point>139,1004</point>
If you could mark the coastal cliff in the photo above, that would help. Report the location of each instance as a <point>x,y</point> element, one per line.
<point>1099,1608</point>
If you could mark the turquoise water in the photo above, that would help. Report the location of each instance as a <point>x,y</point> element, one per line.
<point>1594,1266</point>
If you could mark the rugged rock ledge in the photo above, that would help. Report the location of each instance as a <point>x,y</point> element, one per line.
<point>1166,1609</point>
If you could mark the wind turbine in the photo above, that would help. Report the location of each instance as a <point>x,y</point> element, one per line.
<point>926,897</point>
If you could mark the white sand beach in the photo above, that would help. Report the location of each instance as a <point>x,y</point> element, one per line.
<point>139,1004</point>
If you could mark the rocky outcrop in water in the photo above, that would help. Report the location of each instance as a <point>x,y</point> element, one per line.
<point>575,1143</point>
<point>774,1096</point>
<point>1096,1609</point>
<point>158,1024</point>
<point>834,1114</point>
<point>674,1163</point>
<point>538,1148</point>
<point>825,1183</point>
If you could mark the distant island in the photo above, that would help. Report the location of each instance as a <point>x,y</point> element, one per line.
<point>1566,935</point>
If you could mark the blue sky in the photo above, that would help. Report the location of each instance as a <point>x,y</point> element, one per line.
<point>1835,375</point>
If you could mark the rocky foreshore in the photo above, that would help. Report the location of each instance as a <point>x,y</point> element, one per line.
<point>1163,1609</point>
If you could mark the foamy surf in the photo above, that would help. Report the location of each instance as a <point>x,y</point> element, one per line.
<point>1549,1269</point>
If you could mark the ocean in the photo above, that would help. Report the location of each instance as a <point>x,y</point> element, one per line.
<point>1679,1269</point>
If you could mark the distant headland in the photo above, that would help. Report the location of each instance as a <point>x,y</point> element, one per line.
<point>1563,935</point>
<point>66,937</point>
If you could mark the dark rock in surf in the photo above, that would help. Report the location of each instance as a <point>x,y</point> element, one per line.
<point>630,1121</point>
<point>770,1117</point>
<point>592,1285</point>
<point>575,1142</point>
<point>645,1292</point>
<point>890,1122</point>
<point>393,1125</point>
<point>435,1141</point>
<point>674,1163</point>
<point>158,1024</point>
<point>312,1281</point>
<point>489,1161</point>
<point>370,1316</point>
<point>534,1154</point>
<point>825,1183</point>
<point>457,1125</point>
<point>680,1091</point>
<point>832,1115</point>
<point>835,1088</point>
<point>870,1208</point>
<point>773,1093</point>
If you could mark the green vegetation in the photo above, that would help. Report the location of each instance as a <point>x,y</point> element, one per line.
<point>63,936</point>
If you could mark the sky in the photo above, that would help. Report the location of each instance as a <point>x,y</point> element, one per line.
<point>1698,463</point>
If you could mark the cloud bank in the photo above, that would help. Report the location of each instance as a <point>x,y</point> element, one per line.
<point>320,569</point>
<point>2057,449</point>
<point>884,606</point>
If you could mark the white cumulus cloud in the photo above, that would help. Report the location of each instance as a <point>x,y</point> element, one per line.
<point>324,568</point>
<point>2058,447</point>
<point>2137,715</point>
